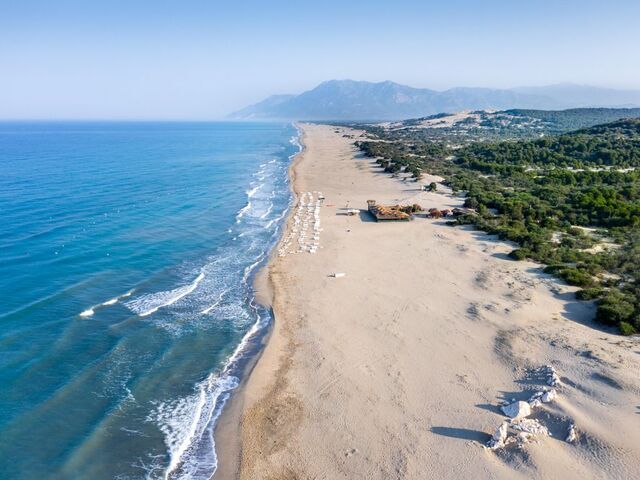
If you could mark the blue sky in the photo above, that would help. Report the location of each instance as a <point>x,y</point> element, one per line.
<point>192,59</point>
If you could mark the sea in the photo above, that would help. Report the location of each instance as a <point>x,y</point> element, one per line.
<point>127,255</point>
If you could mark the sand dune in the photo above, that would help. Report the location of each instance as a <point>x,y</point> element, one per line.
<point>399,369</point>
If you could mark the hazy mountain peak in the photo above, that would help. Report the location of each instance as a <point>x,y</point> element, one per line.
<point>387,100</point>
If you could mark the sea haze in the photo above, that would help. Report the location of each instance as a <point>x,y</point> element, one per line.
<point>127,252</point>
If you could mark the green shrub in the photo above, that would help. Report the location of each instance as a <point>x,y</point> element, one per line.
<point>578,278</point>
<point>627,328</point>
<point>466,220</point>
<point>471,202</point>
<point>392,167</point>
<point>519,254</point>
<point>614,308</point>
<point>589,293</point>
<point>552,269</point>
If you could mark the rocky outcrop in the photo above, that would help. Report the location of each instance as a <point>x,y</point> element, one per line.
<point>552,377</point>
<point>516,410</point>
<point>520,429</point>
<point>499,437</point>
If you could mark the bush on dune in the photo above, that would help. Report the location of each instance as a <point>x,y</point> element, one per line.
<point>615,308</point>
<point>519,254</point>
<point>627,328</point>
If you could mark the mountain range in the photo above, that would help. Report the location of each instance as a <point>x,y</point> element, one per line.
<point>361,100</point>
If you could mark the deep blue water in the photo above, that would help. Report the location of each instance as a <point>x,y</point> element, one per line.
<point>126,257</point>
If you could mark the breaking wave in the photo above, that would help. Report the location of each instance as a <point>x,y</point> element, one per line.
<point>148,304</point>
<point>90,311</point>
<point>222,290</point>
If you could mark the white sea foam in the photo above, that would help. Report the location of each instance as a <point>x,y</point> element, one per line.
<point>148,304</point>
<point>253,191</point>
<point>90,311</point>
<point>269,210</point>
<point>188,422</point>
<point>259,210</point>
<point>242,211</point>
<point>295,140</point>
<point>270,223</point>
<point>115,300</point>
<point>208,309</point>
<point>260,196</point>
<point>250,268</point>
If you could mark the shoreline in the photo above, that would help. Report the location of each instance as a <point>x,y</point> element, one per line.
<point>227,431</point>
<point>353,379</point>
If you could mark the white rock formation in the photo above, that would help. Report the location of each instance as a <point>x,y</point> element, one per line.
<point>523,437</point>
<point>572,434</point>
<point>529,425</point>
<point>499,437</point>
<point>535,402</point>
<point>553,379</point>
<point>549,396</point>
<point>517,410</point>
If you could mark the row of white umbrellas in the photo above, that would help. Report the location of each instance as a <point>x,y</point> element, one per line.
<point>306,214</point>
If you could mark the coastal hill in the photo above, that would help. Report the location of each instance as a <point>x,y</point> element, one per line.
<point>482,125</point>
<point>360,100</point>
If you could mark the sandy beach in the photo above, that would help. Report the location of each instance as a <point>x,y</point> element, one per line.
<point>398,368</point>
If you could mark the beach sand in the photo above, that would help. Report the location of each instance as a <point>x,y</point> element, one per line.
<point>398,369</point>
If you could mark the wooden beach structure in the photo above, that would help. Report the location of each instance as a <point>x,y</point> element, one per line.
<point>389,213</point>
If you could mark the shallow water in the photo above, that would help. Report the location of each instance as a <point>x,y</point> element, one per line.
<point>126,257</point>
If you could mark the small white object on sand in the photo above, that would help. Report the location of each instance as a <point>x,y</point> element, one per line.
<point>554,380</point>
<point>572,434</point>
<point>524,437</point>
<point>499,437</point>
<point>549,396</point>
<point>530,425</point>
<point>517,410</point>
<point>337,275</point>
<point>535,403</point>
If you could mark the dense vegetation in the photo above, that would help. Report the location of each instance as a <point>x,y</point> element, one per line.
<point>560,198</point>
<point>572,119</point>
<point>615,144</point>
<point>516,124</point>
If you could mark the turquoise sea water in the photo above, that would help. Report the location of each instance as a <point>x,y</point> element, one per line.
<point>126,257</point>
